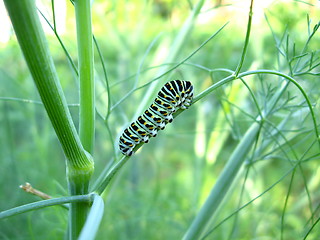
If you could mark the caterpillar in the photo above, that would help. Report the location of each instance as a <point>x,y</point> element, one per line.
<point>172,96</point>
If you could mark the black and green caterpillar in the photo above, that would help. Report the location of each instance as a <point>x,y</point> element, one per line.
<point>172,96</point>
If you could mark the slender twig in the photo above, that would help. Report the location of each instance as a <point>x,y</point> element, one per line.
<point>29,189</point>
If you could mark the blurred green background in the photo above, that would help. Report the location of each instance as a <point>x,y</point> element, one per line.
<point>160,189</point>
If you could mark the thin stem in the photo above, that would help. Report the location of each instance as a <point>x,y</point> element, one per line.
<point>262,71</point>
<point>102,184</point>
<point>54,16</point>
<point>53,28</point>
<point>44,203</point>
<point>104,73</point>
<point>246,42</point>
<point>86,77</point>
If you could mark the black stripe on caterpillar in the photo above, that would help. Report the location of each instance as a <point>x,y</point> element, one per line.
<point>172,96</point>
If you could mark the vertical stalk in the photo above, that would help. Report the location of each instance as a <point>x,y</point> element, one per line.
<point>86,77</point>
<point>205,216</point>
<point>33,43</point>
<point>78,210</point>
<point>34,46</point>
<point>246,42</point>
<point>79,184</point>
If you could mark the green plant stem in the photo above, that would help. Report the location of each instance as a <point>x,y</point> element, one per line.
<point>34,46</point>
<point>45,203</point>
<point>246,42</point>
<point>78,211</point>
<point>203,219</point>
<point>261,71</point>
<point>29,32</point>
<point>60,41</point>
<point>93,221</point>
<point>105,178</point>
<point>249,202</point>
<point>78,184</point>
<point>86,73</point>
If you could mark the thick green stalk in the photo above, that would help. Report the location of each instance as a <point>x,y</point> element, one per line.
<point>29,32</point>
<point>203,219</point>
<point>34,46</point>
<point>86,77</point>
